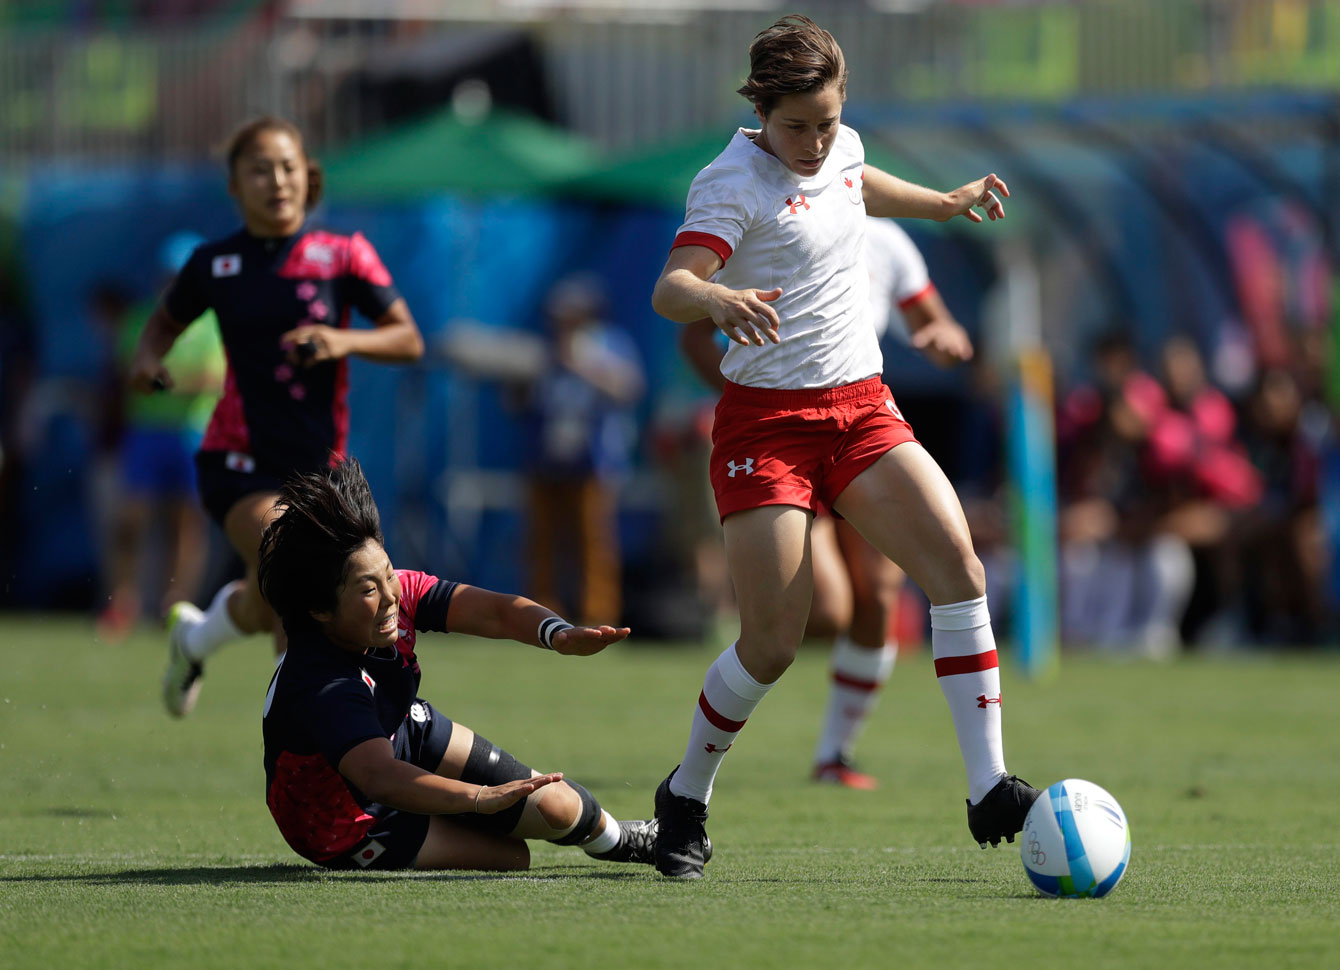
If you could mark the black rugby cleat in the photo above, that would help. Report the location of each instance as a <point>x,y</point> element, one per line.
<point>682,845</point>
<point>1002,812</point>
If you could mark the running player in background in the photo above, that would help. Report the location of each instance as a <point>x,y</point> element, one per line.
<point>361,772</point>
<point>805,422</point>
<point>855,586</point>
<point>282,292</point>
<point>162,433</point>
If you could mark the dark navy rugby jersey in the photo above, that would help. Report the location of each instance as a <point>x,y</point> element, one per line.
<point>324,701</point>
<point>284,417</point>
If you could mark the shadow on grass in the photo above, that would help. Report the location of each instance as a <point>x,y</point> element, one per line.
<point>284,873</point>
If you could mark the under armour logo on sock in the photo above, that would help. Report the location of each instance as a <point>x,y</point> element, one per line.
<point>713,749</point>
<point>747,466</point>
<point>983,700</point>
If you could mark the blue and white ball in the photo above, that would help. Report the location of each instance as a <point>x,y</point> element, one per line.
<point>1076,842</point>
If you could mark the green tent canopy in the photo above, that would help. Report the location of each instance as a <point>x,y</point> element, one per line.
<point>661,175</point>
<point>501,153</point>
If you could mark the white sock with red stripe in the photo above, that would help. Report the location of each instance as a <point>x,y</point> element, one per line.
<point>728,697</point>
<point>217,627</point>
<point>969,675</point>
<point>858,673</point>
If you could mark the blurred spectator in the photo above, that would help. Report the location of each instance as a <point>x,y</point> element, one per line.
<point>157,466</point>
<point>1153,482</point>
<point>1199,470</point>
<point>583,434</point>
<point>1283,557</point>
<point>1123,581</point>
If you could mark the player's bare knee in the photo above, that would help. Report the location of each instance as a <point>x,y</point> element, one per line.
<point>974,575</point>
<point>958,580</point>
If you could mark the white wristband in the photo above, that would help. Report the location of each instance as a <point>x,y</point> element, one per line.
<point>551,626</point>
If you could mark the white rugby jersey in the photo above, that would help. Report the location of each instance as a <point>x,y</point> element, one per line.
<point>772,227</point>
<point>898,275</point>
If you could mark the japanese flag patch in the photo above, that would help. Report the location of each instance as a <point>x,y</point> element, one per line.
<point>368,852</point>
<point>226,265</point>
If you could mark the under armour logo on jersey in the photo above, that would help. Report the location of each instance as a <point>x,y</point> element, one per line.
<point>419,713</point>
<point>983,700</point>
<point>747,467</point>
<point>799,201</point>
<point>893,409</point>
<point>367,679</point>
<point>226,265</point>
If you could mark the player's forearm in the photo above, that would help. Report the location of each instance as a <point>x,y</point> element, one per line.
<point>159,334</point>
<point>399,784</point>
<point>889,196</point>
<point>520,620</point>
<point>497,616</point>
<point>395,339</point>
<point>681,296</point>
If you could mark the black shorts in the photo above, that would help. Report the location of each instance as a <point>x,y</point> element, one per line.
<point>224,477</point>
<point>395,838</point>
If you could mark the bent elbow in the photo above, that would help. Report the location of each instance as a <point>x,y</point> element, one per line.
<point>375,785</point>
<point>414,352</point>
<point>659,301</point>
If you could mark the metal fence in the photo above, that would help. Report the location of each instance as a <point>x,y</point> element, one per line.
<point>621,77</point>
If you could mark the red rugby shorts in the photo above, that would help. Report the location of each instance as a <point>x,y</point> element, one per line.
<point>799,447</point>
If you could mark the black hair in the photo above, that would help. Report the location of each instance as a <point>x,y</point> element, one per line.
<point>324,519</point>
<point>244,137</point>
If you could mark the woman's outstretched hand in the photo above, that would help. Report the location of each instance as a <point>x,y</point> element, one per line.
<point>495,798</point>
<point>985,193</point>
<point>582,641</point>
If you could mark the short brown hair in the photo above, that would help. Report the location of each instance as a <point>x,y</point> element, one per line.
<point>244,136</point>
<point>793,56</point>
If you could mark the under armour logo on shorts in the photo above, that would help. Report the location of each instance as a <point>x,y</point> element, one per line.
<point>747,467</point>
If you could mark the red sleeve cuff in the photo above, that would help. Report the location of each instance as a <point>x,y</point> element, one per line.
<point>706,240</point>
<point>920,294</point>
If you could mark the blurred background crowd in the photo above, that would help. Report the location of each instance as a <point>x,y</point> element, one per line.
<point>521,166</point>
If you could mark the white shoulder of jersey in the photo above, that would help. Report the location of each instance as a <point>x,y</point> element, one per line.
<point>895,263</point>
<point>849,142</point>
<point>735,161</point>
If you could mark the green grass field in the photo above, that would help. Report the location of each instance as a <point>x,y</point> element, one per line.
<point>134,841</point>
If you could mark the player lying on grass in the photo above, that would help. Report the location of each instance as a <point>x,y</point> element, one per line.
<point>360,771</point>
